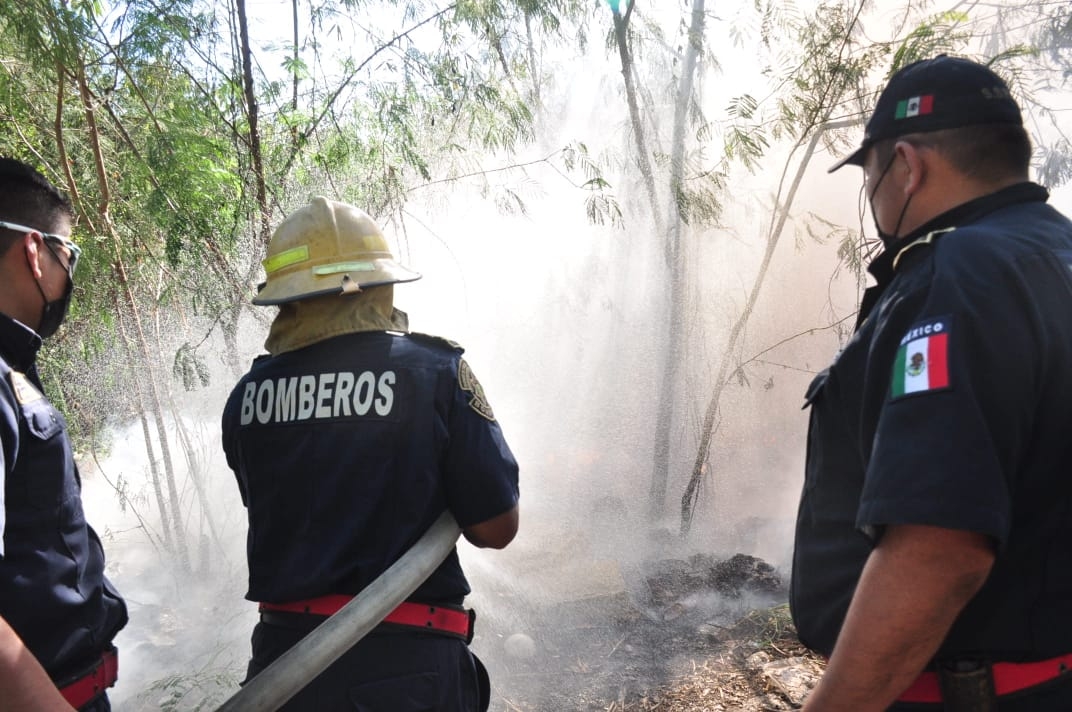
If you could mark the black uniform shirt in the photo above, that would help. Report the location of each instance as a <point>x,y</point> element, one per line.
<point>346,452</point>
<point>52,586</point>
<point>951,407</point>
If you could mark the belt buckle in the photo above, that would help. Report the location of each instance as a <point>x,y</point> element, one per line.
<point>93,680</point>
<point>968,686</point>
<point>472,626</point>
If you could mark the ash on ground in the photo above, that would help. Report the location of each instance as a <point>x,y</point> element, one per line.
<point>700,633</point>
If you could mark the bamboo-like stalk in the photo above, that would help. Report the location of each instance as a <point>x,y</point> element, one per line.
<point>252,116</point>
<point>625,54</point>
<point>149,376</point>
<point>678,282</point>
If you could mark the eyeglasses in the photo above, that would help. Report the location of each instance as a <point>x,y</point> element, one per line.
<point>74,250</point>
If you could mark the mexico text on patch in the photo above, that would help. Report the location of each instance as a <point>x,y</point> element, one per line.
<point>922,363</point>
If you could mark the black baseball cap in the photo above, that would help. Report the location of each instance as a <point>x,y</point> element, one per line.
<point>934,94</point>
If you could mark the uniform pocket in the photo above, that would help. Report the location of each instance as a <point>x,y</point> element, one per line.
<point>44,465</point>
<point>833,469</point>
<point>42,420</point>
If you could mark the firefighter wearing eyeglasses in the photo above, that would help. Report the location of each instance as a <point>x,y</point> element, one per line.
<point>58,612</point>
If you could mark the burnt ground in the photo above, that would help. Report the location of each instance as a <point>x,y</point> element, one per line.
<point>695,634</point>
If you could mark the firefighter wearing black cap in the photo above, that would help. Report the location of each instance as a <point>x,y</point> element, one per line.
<point>933,558</point>
<point>58,613</point>
<point>348,441</point>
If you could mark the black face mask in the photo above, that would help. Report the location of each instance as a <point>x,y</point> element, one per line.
<point>887,238</point>
<point>54,312</point>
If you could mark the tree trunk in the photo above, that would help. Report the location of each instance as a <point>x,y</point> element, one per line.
<point>252,115</point>
<point>148,377</point>
<point>676,268</point>
<point>621,34</point>
<point>534,66</point>
<point>295,80</point>
<point>168,531</point>
<point>692,490</point>
<point>165,518</point>
<point>193,464</point>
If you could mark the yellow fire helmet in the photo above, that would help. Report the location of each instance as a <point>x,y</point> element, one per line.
<point>324,248</point>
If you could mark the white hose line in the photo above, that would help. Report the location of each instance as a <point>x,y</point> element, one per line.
<point>314,653</point>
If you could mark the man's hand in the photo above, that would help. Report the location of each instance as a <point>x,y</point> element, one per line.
<point>913,587</point>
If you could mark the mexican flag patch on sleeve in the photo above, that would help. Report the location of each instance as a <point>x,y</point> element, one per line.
<point>922,362</point>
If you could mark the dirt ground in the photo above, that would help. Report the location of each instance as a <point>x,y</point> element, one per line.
<point>759,665</point>
<point>754,665</point>
<point>706,635</point>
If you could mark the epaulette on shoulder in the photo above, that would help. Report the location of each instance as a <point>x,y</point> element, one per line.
<point>437,341</point>
<point>929,239</point>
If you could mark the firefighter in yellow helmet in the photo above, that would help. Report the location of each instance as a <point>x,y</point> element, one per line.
<point>348,439</point>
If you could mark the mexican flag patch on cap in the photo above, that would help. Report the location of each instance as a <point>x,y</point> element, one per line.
<point>915,106</point>
<point>922,362</point>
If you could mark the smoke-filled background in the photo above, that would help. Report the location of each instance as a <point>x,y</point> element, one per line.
<point>562,322</point>
<point>550,263</point>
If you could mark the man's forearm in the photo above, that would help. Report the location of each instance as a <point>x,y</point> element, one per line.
<point>911,591</point>
<point>25,684</point>
<point>495,533</point>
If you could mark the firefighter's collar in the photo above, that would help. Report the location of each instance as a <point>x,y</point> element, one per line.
<point>925,240</point>
<point>308,321</point>
<point>19,343</point>
<point>882,267</point>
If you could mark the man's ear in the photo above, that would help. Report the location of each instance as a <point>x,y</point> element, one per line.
<point>915,165</point>
<point>32,244</point>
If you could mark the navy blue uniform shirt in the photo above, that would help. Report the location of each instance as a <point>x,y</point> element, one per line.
<point>53,590</point>
<point>951,406</point>
<point>347,450</point>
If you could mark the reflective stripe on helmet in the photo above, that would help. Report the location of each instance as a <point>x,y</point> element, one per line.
<point>284,259</point>
<point>337,267</point>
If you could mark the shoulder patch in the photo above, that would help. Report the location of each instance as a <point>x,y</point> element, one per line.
<point>922,363</point>
<point>437,340</point>
<point>25,392</point>
<point>468,383</point>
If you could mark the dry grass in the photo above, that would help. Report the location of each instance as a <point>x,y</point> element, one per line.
<point>724,680</point>
<point>724,677</point>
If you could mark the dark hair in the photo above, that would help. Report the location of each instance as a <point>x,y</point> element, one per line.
<point>990,153</point>
<point>27,198</point>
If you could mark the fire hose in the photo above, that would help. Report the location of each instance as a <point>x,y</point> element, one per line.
<point>314,653</point>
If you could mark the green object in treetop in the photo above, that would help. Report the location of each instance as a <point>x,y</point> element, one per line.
<point>614,4</point>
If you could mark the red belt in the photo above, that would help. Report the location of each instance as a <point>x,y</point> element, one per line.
<point>102,676</point>
<point>1008,678</point>
<point>443,619</point>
